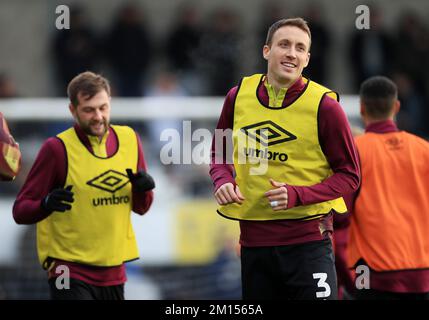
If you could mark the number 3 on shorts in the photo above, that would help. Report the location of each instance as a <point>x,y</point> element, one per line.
<point>322,276</point>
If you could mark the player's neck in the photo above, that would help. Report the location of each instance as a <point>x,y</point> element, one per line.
<point>278,84</point>
<point>368,121</point>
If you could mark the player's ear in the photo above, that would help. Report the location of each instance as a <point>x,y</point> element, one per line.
<point>363,114</point>
<point>72,109</point>
<point>396,107</point>
<point>362,110</point>
<point>308,60</point>
<point>266,52</point>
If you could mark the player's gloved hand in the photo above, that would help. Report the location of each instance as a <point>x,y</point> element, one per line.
<point>141,181</point>
<point>58,200</point>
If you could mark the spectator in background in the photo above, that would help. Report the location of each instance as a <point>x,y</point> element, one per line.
<point>320,45</point>
<point>128,50</point>
<point>182,50</point>
<point>7,87</point>
<point>411,117</point>
<point>165,85</point>
<point>370,50</point>
<point>75,50</point>
<point>219,49</point>
<point>411,51</point>
<point>411,48</point>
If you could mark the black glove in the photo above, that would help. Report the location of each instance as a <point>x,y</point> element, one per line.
<point>58,200</point>
<point>141,181</point>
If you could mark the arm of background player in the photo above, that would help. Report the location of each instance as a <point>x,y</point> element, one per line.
<point>48,172</point>
<point>338,146</point>
<point>141,200</point>
<point>220,171</point>
<point>10,154</point>
<point>341,231</point>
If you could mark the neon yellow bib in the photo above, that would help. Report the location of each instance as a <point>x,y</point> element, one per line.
<point>279,143</point>
<point>97,230</point>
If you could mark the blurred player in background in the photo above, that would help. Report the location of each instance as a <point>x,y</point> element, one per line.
<point>10,157</point>
<point>390,213</point>
<point>78,193</point>
<point>285,213</point>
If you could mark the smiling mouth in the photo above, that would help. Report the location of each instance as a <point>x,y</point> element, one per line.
<point>98,125</point>
<point>288,64</point>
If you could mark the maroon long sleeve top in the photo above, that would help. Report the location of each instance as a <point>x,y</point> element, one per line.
<point>49,171</point>
<point>339,149</point>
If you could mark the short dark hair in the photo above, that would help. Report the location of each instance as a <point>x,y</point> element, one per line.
<point>295,22</point>
<point>88,84</point>
<point>378,94</point>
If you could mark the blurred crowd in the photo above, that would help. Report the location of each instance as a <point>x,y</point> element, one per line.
<point>403,55</point>
<point>198,60</point>
<point>204,55</point>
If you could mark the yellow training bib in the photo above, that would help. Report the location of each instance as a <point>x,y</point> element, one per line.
<point>97,230</point>
<point>281,143</point>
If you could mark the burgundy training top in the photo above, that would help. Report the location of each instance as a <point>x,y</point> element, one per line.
<point>49,172</point>
<point>338,146</point>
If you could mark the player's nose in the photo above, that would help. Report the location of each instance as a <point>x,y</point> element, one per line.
<point>98,115</point>
<point>291,53</point>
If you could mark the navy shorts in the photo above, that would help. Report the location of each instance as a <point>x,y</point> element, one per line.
<point>80,290</point>
<point>304,271</point>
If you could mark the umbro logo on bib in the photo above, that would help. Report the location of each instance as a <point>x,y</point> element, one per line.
<point>110,181</point>
<point>268,133</point>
